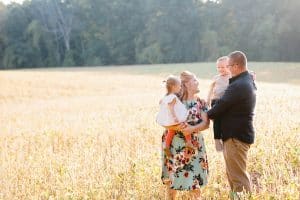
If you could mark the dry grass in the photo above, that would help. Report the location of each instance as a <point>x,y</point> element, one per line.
<point>91,134</point>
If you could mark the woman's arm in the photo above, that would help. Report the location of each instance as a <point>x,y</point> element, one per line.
<point>188,129</point>
<point>171,109</point>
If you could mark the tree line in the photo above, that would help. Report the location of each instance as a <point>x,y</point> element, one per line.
<point>46,33</point>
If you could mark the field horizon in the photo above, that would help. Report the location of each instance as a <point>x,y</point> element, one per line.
<point>274,72</point>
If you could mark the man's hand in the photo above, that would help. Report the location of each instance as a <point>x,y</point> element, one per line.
<point>219,145</point>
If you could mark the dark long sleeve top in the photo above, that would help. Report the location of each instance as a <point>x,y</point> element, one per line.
<point>236,109</point>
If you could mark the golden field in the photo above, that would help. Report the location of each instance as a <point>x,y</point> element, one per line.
<point>91,134</point>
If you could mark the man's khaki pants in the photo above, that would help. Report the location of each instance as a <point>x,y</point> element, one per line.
<point>235,155</point>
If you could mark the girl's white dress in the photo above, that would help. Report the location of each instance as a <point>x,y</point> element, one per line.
<point>164,116</point>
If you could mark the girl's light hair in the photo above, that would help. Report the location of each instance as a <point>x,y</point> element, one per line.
<point>170,82</point>
<point>185,77</point>
<point>222,59</point>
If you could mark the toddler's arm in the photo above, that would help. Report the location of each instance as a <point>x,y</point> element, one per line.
<point>211,87</point>
<point>171,108</point>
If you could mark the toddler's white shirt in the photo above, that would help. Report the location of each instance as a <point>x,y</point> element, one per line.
<point>164,116</point>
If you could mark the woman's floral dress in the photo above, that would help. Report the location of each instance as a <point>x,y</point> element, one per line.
<point>186,168</point>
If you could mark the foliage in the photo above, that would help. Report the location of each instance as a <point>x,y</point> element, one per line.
<point>44,33</point>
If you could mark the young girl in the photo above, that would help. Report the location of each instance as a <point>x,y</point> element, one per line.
<point>172,112</point>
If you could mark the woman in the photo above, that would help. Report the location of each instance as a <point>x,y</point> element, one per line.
<point>186,168</point>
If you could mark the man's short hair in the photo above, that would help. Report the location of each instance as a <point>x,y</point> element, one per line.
<point>222,59</point>
<point>239,58</point>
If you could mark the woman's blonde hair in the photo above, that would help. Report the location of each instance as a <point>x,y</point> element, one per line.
<point>185,77</point>
<point>170,82</point>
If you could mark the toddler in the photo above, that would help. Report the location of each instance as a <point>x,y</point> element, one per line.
<point>217,90</point>
<point>172,111</point>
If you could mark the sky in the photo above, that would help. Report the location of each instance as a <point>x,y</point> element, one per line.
<point>9,1</point>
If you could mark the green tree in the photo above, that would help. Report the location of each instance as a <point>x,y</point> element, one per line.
<point>106,32</point>
<point>174,27</point>
<point>17,53</point>
<point>2,42</point>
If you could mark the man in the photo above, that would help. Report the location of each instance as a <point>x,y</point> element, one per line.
<point>236,110</point>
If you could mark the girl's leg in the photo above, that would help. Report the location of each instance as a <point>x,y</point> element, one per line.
<point>169,138</point>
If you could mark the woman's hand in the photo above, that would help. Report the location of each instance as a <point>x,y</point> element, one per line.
<point>188,129</point>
